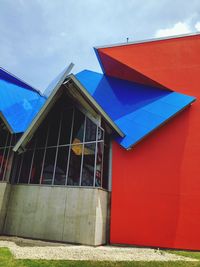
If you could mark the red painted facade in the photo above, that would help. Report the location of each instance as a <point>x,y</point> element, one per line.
<point>156,185</point>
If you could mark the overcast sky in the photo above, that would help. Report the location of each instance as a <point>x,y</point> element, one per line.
<point>39,38</point>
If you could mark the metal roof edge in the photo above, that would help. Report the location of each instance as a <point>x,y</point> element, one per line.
<point>38,117</point>
<point>99,60</point>
<point>22,81</point>
<point>6,122</point>
<point>148,40</point>
<point>162,124</point>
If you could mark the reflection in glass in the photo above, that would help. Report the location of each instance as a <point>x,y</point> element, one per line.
<point>61,166</point>
<point>75,165</point>
<point>88,165</point>
<point>47,175</point>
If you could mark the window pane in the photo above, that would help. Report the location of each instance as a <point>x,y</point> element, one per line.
<point>53,128</point>
<point>8,164</point>
<point>3,134</point>
<point>88,165</point>
<point>61,166</point>
<point>99,164</point>
<point>47,175</point>
<point>1,163</point>
<point>91,129</point>
<point>25,170</point>
<point>75,165</point>
<point>66,127</point>
<point>41,134</point>
<point>15,138</point>
<point>37,166</point>
<point>78,128</point>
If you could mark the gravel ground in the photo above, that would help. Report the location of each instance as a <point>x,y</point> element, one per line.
<point>35,249</point>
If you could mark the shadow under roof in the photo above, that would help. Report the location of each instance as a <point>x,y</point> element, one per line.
<point>136,109</point>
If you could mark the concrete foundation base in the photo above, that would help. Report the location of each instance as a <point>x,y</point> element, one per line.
<point>69,214</point>
<point>4,197</point>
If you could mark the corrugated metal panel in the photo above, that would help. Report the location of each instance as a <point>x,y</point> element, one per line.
<point>136,109</point>
<point>19,103</point>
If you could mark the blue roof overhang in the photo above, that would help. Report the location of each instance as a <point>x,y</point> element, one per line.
<point>136,109</point>
<point>19,102</point>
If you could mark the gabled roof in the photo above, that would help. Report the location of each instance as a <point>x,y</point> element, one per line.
<point>136,109</point>
<point>54,91</point>
<point>19,102</point>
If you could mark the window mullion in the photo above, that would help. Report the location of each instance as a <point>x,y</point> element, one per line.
<point>4,149</point>
<point>44,155</point>
<point>70,145</point>
<point>54,170</point>
<point>29,177</point>
<point>6,164</point>
<point>102,158</point>
<point>20,168</point>
<point>95,160</point>
<point>82,156</point>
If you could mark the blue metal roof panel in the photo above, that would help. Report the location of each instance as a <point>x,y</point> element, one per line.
<point>18,103</point>
<point>136,109</point>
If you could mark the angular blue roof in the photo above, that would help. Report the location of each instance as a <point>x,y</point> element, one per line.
<point>136,109</point>
<point>19,102</point>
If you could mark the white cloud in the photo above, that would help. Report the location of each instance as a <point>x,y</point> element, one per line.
<point>178,28</point>
<point>197,26</point>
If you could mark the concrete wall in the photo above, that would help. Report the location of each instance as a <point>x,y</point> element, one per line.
<point>76,215</point>
<point>4,197</point>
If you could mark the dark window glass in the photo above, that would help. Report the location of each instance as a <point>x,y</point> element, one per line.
<point>91,129</point>
<point>41,134</point>
<point>99,164</point>
<point>15,139</point>
<point>66,127</point>
<point>78,128</point>
<point>17,167</point>
<point>47,175</point>
<point>25,170</point>
<point>8,165</point>
<point>4,163</point>
<point>37,166</point>
<point>75,165</point>
<point>3,134</point>
<point>61,166</point>
<point>88,165</point>
<point>53,128</point>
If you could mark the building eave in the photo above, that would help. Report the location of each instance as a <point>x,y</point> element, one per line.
<point>148,40</point>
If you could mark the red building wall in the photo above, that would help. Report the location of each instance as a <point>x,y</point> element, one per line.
<point>156,185</point>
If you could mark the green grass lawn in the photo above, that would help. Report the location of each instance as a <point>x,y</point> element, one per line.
<point>191,254</point>
<point>7,260</point>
